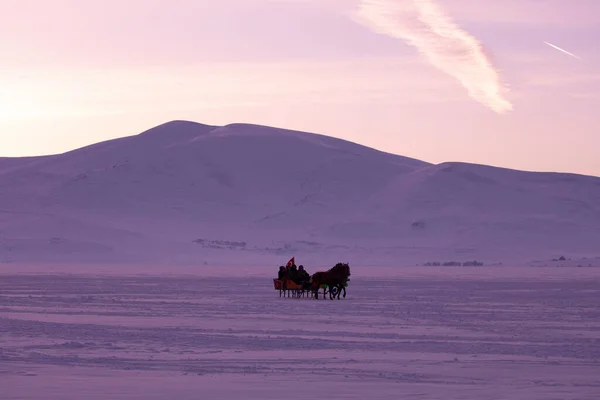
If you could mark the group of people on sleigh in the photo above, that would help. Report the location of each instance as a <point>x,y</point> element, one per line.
<point>296,274</point>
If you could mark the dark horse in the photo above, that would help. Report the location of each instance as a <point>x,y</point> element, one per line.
<point>335,277</point>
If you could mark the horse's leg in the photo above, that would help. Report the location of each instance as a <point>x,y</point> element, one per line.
<point>340,288</point>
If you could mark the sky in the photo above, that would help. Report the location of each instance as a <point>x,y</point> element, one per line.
<point>437,80</point>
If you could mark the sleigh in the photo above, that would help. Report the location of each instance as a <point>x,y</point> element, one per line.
<point>333,281</point>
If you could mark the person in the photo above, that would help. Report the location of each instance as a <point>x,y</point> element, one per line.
<point>293,273</point>
<point>282,273</point>
<point>302,274</point>
<point>303,277</point>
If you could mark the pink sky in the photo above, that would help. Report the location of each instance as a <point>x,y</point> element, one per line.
<point>445,80</point>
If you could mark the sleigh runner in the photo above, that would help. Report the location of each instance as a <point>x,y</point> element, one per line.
<point>296,290</point>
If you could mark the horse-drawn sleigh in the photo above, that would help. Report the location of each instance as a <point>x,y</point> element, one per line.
<point>332,281</point>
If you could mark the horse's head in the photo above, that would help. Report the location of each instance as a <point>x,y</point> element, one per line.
<point>341,270</point>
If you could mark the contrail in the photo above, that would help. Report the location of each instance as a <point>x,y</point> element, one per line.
<point>424,25</point>
<point>563,50</point>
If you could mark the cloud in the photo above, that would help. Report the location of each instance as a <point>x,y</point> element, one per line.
<point>424,25</point>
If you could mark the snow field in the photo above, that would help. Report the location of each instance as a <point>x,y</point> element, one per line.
<point>453,333</point>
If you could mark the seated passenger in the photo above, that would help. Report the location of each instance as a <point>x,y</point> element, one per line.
<point>293,274</point>
<point>303,276</point>
<point>282,273</point>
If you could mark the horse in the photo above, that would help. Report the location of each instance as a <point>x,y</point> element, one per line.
<point>344,275</point>
<point>335,277</point>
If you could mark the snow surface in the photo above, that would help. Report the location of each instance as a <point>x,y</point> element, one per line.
<point>187,193</point>
<point>223,333</point>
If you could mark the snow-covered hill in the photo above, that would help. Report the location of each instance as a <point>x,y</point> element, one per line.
<point>244,194</point>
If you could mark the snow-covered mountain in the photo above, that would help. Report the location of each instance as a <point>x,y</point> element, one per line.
<point>184,192</point>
